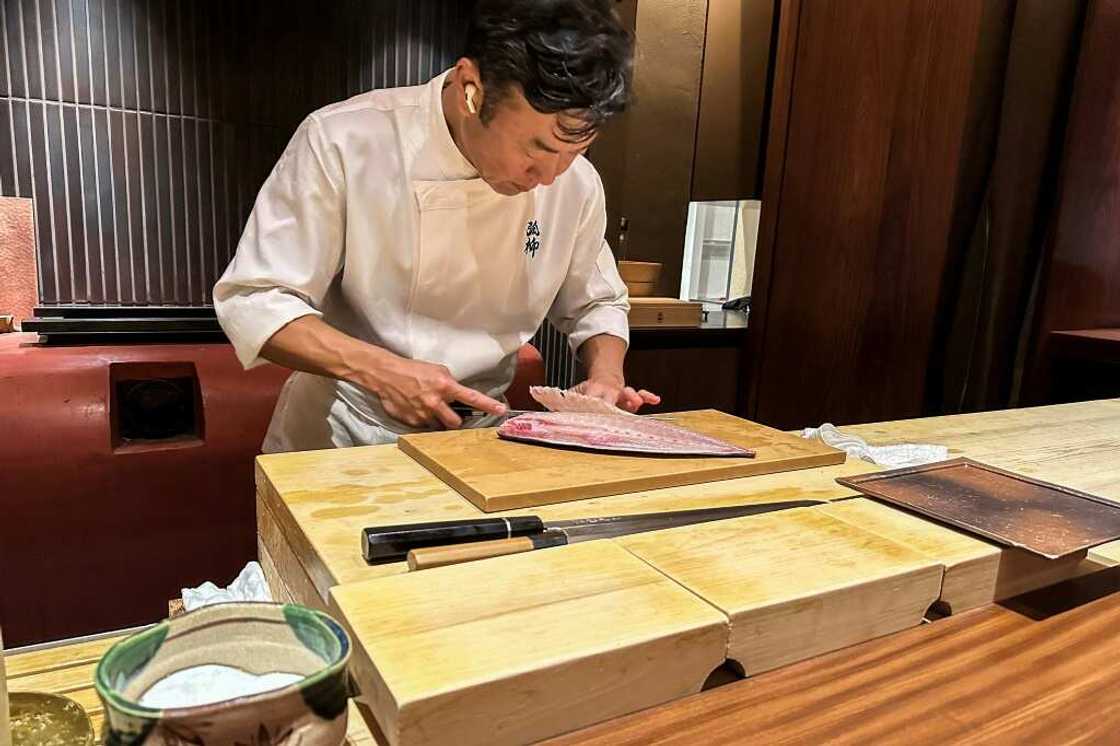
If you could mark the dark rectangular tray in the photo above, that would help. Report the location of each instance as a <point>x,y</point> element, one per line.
<point>1013,510</point>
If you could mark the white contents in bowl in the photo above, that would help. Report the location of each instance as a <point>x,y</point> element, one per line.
<point>203,685</point>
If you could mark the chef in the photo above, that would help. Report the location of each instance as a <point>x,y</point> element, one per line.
<point>410,240</point>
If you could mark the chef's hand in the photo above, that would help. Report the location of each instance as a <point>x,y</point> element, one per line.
<point>416,393</point>
<point>615,391</point>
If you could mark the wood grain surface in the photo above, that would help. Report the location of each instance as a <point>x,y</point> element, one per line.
<point>991,675</point>
<point>795,584</point>
<point>1073,445</point>
<point>1079,288</point>
<point>481,466</point>
<point>976,572</point>
<point>319,501</point>
<point>863,236</point>
<point>517,648</point>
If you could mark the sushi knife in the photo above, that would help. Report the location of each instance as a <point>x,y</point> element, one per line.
<point>470,413</point>
<point>447,542</point>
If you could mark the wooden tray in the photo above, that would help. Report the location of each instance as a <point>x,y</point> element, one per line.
<point>502,475</point>
<point>1013,510</point>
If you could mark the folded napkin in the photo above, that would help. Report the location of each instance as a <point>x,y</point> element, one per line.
<point>893,457</point>
<point>249,585</point>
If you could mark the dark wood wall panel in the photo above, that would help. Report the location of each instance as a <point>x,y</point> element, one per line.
<point>1080,287</point>
<point>144,129</point>
<point>873,141</point>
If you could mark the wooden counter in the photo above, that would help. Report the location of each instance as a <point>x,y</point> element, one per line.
<point>1019,673</point>
<point>313,505</point>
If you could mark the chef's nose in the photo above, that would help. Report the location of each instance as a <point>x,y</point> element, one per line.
<point>546,171</point>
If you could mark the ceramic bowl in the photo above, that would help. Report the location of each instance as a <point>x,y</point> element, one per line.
<point>48,720</point>
<point>639,271</point>
<point>255,637</point>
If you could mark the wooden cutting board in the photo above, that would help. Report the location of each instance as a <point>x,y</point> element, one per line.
<point>516,649</point>
<point>497,474</point>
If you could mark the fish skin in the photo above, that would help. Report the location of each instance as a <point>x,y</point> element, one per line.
<point>560,400</point>
<point>609,432</point>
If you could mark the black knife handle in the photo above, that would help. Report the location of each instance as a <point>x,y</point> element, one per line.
<point>393,543</point>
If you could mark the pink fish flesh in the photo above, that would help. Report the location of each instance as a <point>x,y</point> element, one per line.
<point>608,432</point>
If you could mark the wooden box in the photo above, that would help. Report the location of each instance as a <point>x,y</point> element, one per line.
<point>520,648</point>
<point>976,572</point>
<point>645,312</point>
<point>795,584</point>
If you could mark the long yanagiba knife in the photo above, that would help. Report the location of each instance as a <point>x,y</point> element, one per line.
<point>427,545</point>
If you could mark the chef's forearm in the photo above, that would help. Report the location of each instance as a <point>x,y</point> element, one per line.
<point>312,345</point>
<point>603,356</point>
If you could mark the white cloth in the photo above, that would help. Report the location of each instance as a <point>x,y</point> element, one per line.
<point>249,585</point>
<point>893,456</point>
<point>373,220</point>
<point>209,683</point>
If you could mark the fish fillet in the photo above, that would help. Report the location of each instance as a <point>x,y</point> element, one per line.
<point>612,432</point>
<point>559,400</point>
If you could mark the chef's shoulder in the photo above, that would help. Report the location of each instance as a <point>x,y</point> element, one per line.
<point>369,120</point>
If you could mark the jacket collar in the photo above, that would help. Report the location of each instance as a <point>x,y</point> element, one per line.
<point>449,161</point>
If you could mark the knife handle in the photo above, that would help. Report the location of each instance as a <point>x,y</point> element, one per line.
<point>423,559</point>
<point>393,543</point>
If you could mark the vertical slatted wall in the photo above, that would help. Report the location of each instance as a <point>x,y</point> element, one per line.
<point>144,128</point>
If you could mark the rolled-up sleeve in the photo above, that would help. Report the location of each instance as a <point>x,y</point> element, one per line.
<point>592,299</point>
<point>292,247</point>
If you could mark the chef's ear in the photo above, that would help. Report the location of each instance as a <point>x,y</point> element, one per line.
<point>471,91</point>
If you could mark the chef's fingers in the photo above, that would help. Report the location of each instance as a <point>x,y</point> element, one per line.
<point>476,399</point>
<point>629,400</point>
<point>648,397</point>
<point>447,416</point>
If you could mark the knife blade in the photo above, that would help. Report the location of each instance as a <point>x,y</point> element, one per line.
<point>393,543</point>
<point>469,413</point>
<point>559,533</point>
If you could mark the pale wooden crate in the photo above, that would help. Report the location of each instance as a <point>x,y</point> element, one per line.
<point>520,648</point>
<point>795,584</point>
<point>976,572</point>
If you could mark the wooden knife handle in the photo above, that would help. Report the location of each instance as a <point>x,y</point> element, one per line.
<point>426,558</point>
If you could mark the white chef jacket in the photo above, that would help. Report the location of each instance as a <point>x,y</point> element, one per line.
<point>373,220</point>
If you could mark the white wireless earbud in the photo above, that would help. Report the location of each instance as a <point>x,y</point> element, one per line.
<point>470,99</point>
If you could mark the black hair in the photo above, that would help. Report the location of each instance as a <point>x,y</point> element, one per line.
<point>567,56</point>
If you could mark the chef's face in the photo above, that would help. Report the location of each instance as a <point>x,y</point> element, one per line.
<point>519,148</point>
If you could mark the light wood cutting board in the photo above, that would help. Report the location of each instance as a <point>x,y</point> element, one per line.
<point>497,474</point>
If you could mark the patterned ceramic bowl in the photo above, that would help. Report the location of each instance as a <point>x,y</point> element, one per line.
<point>257,638</point>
